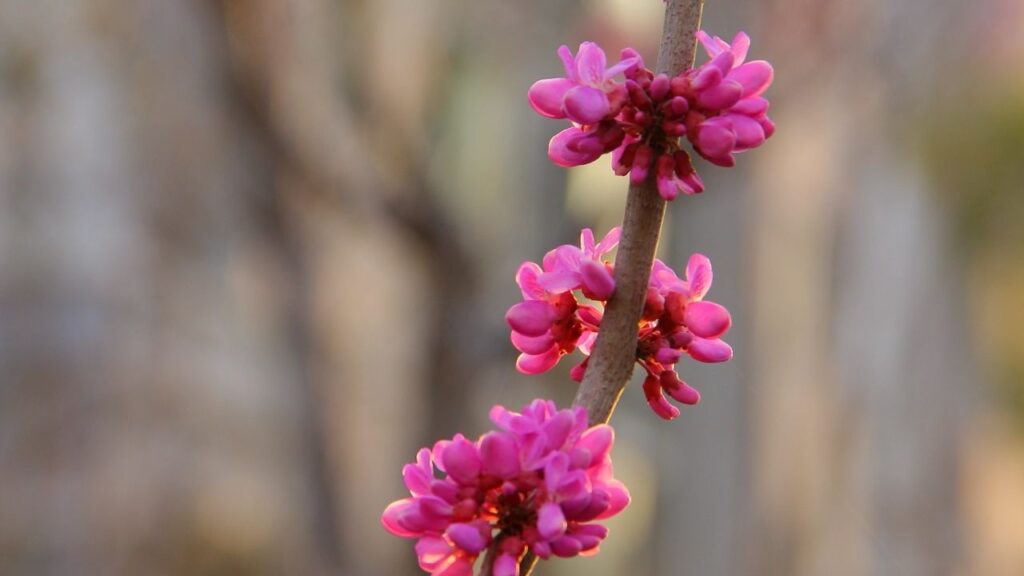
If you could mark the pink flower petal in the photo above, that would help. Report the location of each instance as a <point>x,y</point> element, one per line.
<point>750,107</point>
<point>590,64</point>
<point>721,97</point>
<point>391,518</point>
<point>705,77</point>
<point>506,565</point>
<point>709,350</point>
<point>587,242</point>
<point>656,399</point>
<point>560,281</point>
<point>467,537</point>
<point>598,442</point>
<point>707,319</point>
<point>715,138</point>
<point>629,59</point>
<point>597,280</point>
<point>526,278</point>
<point>532,344</point>
<point>461,460</point>
<point>586,105</point>
<point>713,46</point>
<point>740,46</point>
<point>754,77</point>
<point>608,243</point>
<point>459,566</point>
<point>546,96</point>
<point>566,547</point>
<point>538,364</point>
<point>499,455</point>
<point>550,521</point>
<point>558,428</point>
<point>620,498</point>
<point>531,318</point>
<point>680,391</point>
<point>569,62</point>
<point>749,133</point>
<point>433,552</point>
<point>699,275</point>
<point>563,152</point>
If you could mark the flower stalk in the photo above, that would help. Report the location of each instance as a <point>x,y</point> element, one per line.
<point>611,364</point>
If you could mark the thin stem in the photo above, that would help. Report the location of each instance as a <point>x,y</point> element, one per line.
<point>611,363</point>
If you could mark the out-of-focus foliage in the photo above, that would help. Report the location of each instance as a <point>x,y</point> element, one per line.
<point>975,154</point>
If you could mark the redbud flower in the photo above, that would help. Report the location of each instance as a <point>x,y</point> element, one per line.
<point>588,93</point>
<point>588,96</point>
<point>676,321</point>
<point>730,112</point>
<point>539,482</point>
<point>564,304</point>
<point>551,322</point>
<point>717,106</point>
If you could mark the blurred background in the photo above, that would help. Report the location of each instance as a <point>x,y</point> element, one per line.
<point>254,253</point>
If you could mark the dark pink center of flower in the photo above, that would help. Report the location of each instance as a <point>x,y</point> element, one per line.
<point>515,512</point>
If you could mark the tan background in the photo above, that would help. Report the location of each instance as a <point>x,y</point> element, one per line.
<point>253,253</point>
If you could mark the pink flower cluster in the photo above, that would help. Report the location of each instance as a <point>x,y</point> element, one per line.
<point>717,106</point>
<point>677,320</point>
<point>538,482</point>
<point>563,304</point>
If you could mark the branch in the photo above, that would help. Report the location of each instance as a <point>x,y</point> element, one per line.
<point>611,364</point>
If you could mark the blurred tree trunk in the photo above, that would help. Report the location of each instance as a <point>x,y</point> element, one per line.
<point>854,286</point>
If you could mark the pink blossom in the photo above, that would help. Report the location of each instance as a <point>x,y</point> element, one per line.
<point>551,321</point>
<point>718,107</point>
<point>588,93</point>
<point>677,321</point>
<point>539,482</point>
<point>730,112</point>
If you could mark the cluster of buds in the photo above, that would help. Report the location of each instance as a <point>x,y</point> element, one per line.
<point>676,321</point>
<point>543,479</point>
<point>563,303</point>
<point>539,482</point>
<point>717,106</point>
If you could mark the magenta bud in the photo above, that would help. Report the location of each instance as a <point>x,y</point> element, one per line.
<point>499,455</point>
<point>467,537</point>
<point>506,565</point>
<point>667,356</point>
<point>684,393</point>
<point>598,442</point>
<point>461,460</point>
<point>551,521</point>
<point>656,399</point>
<point>546,96</point>
<point>531,317</point>
<point>659,87</point>
<point>566,547</point>
<point>586,105</point>
<point>597,280</point>
<point>715,139</point>
<point>706,319</point>
<point>532,344</point>
<point>754,77</point>
<point>539,363</point>
<point>721,96</point>
<point>709,350</point>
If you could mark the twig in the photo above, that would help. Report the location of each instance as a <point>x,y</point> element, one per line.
<point>611,364</point>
